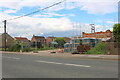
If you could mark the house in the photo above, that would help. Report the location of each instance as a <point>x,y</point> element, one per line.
<point>22,40</point>
<point>38,39</point>
<point>49,39</point>
<point>9,40</point>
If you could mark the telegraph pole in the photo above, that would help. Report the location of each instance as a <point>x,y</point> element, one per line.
<point>5,34</point>
<point>92,28</point>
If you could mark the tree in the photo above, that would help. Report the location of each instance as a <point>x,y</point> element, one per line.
<point>60,41</point>
<point>116,32</point>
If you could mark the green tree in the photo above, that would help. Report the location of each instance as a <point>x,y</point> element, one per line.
<point>60,41</point>
<point>116,32</point>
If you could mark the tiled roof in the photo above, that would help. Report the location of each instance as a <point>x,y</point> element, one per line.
<point>21,38</point>
<point>51,37</point>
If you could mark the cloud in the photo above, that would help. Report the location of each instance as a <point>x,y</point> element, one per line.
<point>28,26</point>
<point>91,6</point>
<point>10,11</point>
<point>10,4</point>
<point>112,22</point>
<point>53,14</point>
<point>50,15</point>
<point>63,26</point>
<point>99,7</point>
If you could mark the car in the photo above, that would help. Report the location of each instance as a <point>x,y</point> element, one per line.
<point>75,52</point>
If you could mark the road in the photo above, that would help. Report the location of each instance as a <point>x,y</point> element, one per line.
<point>33,66</point>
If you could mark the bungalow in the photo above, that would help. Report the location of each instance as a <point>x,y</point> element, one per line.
<point>22,40</point>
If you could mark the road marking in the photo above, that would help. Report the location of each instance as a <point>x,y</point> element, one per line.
<point>50,62</point>
<point>63,63</point>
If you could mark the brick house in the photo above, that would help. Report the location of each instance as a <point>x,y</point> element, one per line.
<point>9,40</point>
<point>50,39</point>
<point>99,35</point>
<point>22,40</point>
<point>40,39</point>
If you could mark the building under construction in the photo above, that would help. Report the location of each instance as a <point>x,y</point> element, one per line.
<point>73,45</point>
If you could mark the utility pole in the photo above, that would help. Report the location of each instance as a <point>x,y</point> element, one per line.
<point>5,34</point>
<point>92,28</point>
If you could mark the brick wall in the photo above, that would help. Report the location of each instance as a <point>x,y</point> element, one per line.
<point>106,34</point>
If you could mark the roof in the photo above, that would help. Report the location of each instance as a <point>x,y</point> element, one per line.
<point>67,38</point>
<point>38,37</point>
<point>21,38</point>
<point>51,37</point>
<point>108,31</point>
<point>2,34</point>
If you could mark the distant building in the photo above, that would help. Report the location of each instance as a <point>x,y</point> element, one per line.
<point>50,39</point>
<point>100,35</point>
<point>40,39</point>
<point>9,40</point>
<point>74,43</point>
<point>22,40</point>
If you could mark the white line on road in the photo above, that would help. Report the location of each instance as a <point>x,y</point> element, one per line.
<point>63,63</point>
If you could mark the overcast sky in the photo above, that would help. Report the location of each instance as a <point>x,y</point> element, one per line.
<point>67,19</point>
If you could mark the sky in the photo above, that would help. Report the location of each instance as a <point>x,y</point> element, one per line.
<point>70,18</point>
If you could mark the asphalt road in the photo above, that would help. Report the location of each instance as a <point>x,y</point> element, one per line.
<point>32,66</point>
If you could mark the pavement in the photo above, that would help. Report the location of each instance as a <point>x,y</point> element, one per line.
<point>68,55</point>
<point>17,65</point>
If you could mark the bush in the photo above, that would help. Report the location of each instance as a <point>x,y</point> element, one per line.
<point>45,47</point>
<point>15,47</point>
<point>26,49</point>
<point>100,48</point>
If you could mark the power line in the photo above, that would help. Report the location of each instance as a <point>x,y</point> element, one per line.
<point>36,11</point>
